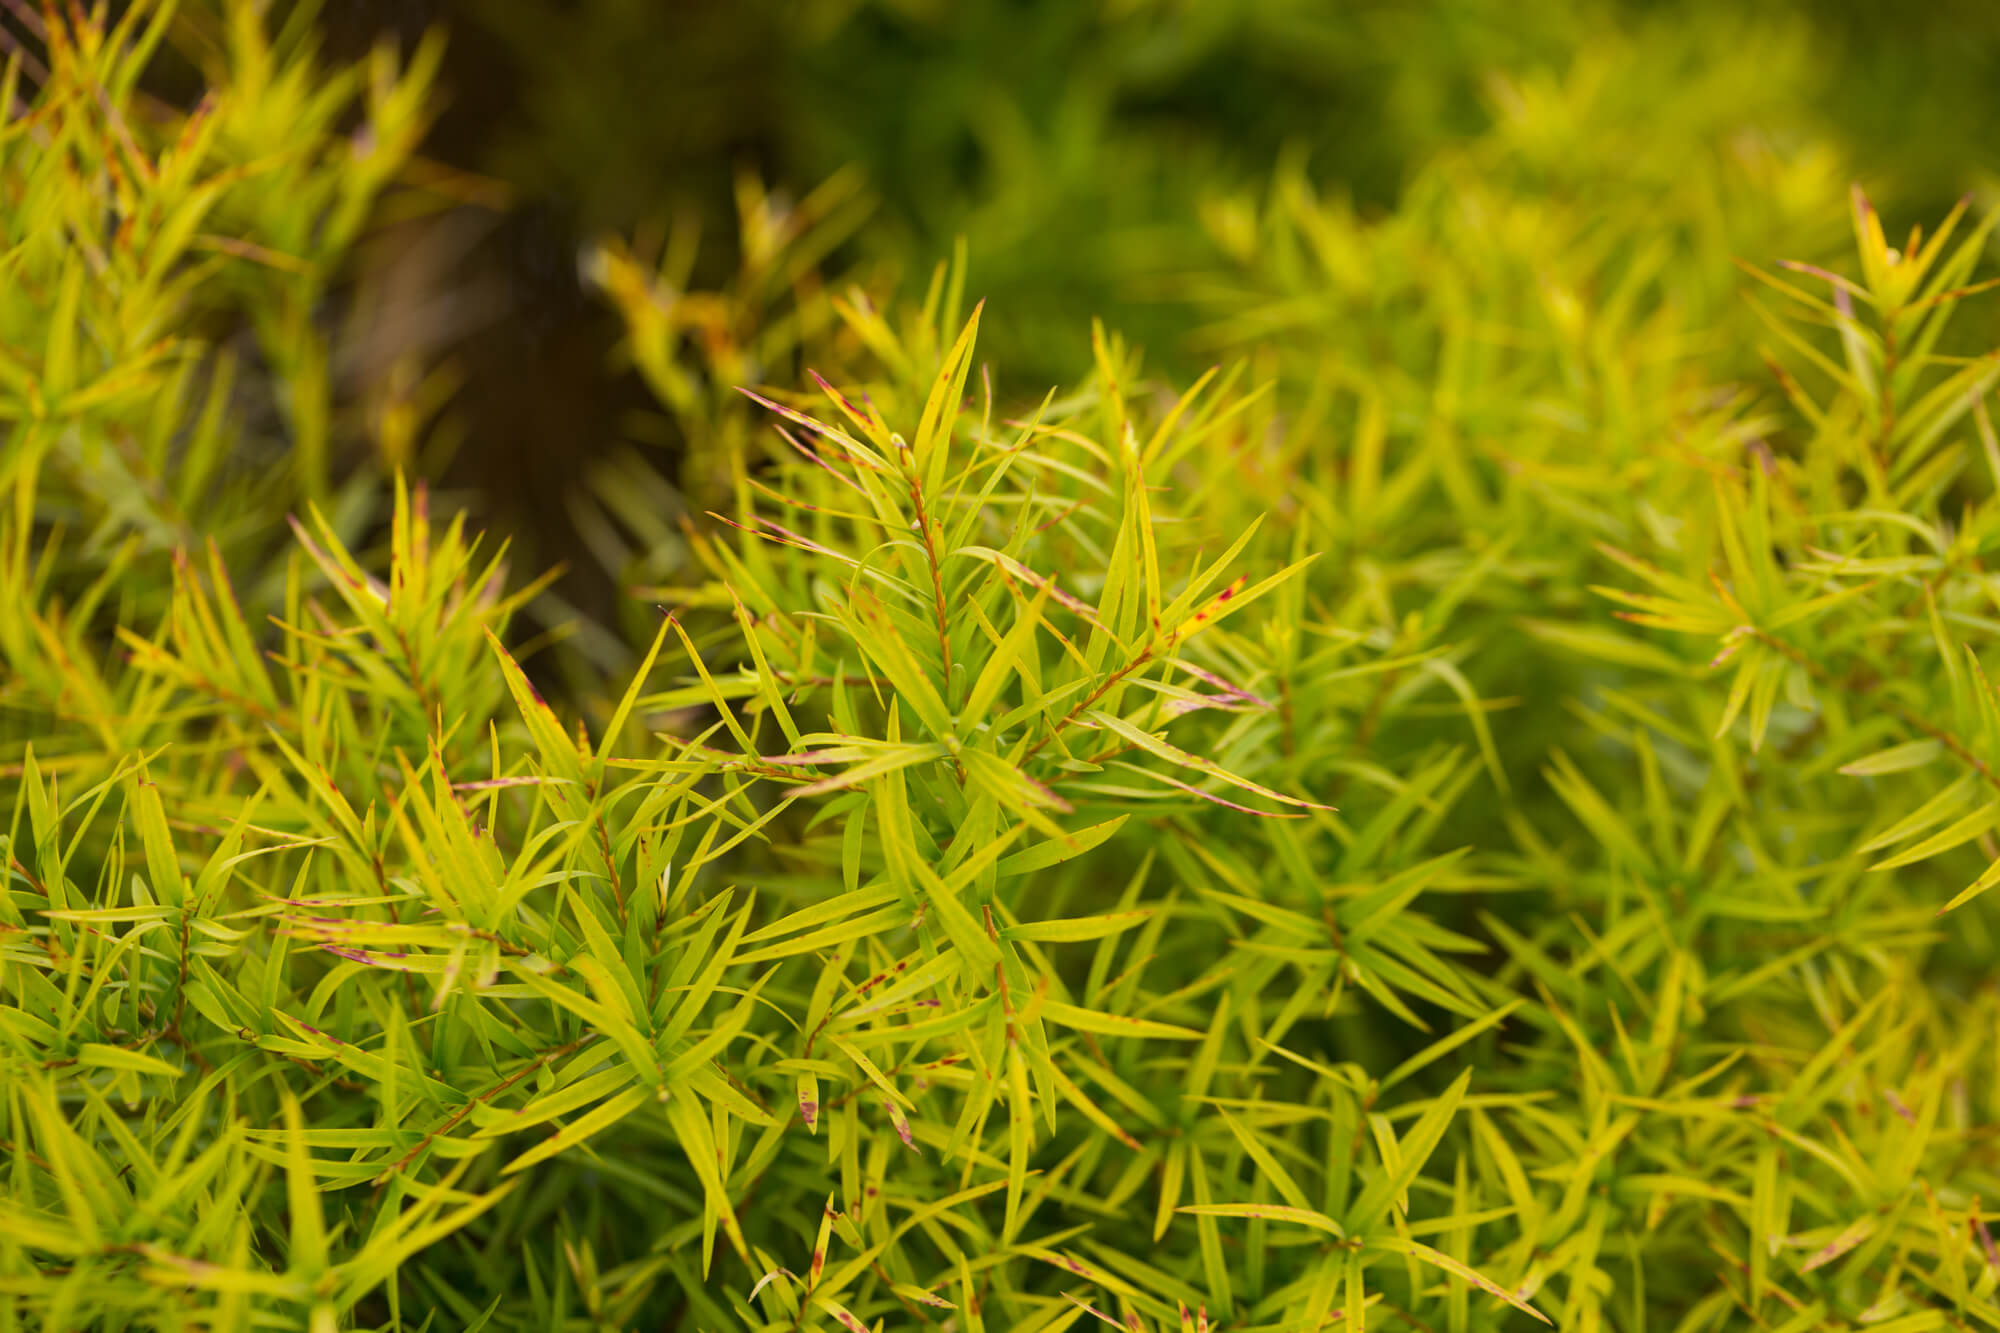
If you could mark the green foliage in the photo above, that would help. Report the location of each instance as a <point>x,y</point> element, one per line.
<point>1443,819</point>
<point>1066,141</point>
<point>147,253</point>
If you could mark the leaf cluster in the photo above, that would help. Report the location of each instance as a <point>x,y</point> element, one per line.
<point>1443,820</point>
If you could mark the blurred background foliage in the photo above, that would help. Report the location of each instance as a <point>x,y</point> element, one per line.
<point>1097,158</point>
<point>1288,180</point>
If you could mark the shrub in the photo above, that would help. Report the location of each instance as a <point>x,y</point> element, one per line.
<point>166,379</point>
<point>1174,856</point>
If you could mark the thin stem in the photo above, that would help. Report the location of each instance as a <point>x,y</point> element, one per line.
<point>1145,656</point>
<point>938,608</point>
<point>937,581</point>
<point>451,1121</point>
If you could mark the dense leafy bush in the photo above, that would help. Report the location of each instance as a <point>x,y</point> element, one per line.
<point>1443,819</point>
